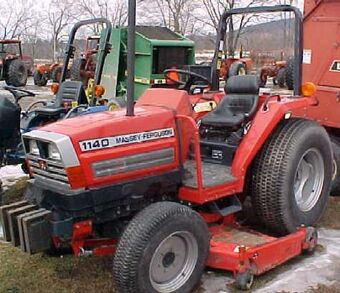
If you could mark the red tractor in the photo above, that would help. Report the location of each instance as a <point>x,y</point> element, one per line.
<point>161,185</point>
<point>13,67</point>
<point>235,66</point>
<point>84,67</point>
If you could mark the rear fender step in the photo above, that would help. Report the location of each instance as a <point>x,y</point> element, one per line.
<point>231,207</point>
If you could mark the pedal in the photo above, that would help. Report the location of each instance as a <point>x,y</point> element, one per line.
<point>231,207</point>
<point>3,217</point>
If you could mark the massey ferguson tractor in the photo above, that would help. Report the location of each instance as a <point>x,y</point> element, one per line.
<point>160,184</point>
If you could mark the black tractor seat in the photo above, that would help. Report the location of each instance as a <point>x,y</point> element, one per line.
<point>239,104</point>
<point>68,92</point>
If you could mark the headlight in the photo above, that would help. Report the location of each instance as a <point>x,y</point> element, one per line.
<point>33,148</point>
<point>53,153</point>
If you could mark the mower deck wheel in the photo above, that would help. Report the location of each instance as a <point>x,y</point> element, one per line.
<point>312,239</point>
<point>163,250</point>
<point>244,280</point>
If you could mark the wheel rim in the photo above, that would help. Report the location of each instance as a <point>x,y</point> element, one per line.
<point>309,179</point>
<point>242,71</point>
<point>173,262</point>
<point>335,170</point>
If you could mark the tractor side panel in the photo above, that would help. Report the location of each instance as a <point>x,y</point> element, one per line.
<point>263,125</point>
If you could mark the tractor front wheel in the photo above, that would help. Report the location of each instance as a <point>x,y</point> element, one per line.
<point>163,250</point>
<point>39,79</point>
<point>292,176</point>
<point>17,73</point>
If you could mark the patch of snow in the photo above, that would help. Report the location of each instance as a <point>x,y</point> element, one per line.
<point>10,174</point>
<point>321,268</point>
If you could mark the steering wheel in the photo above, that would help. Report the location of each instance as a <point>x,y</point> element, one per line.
<point>192,79</point>
<point>18,93</point>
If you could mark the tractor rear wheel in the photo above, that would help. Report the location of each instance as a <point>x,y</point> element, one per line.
<point>163,249</point>
<point>39,79</point>
<point>281,77</point>
<point>290,73</point>
<point>77,66</point>
<point>335,191</point>
<point>292,176</point>
<point>56,74</point>
<point>237,68</point>
<point>17,73</point>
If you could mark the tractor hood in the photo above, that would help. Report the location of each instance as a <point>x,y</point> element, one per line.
<point>102,148</point>
<point>111,124</point>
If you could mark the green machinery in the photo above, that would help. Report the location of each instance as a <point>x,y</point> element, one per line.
<point>157,49</point>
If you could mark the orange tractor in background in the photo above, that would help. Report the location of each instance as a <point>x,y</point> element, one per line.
<point>44,72</point>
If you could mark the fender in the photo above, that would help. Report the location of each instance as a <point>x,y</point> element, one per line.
<point>261,128</point>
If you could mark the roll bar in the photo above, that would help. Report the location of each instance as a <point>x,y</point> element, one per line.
<point>102,51</point>
<point>298,50</point>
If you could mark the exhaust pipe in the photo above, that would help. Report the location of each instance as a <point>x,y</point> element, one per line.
<point>131,58</point>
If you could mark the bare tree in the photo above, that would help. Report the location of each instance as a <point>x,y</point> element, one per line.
<point>235,24</point>
<point>60,14</point>
<point>113,10</point>
<point>16,17</point>
<point>178,15</point>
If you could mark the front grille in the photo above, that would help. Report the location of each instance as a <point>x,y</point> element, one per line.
<point>48,169</point>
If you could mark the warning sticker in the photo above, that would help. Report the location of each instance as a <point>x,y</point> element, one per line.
<point>307,56</point>
<point>113,141</point>
<point>335,66</point>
